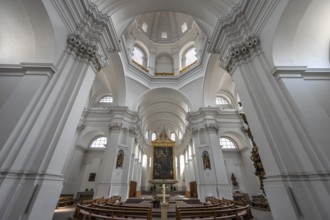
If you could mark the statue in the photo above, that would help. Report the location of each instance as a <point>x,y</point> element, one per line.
<point>255,157</point>
<point>120,159</point>
<point>206,160</point>
<point>233,180</point>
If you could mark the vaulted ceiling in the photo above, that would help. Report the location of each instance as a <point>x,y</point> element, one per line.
<point>165,107</point>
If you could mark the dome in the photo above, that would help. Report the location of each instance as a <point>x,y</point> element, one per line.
<point>164,26</point>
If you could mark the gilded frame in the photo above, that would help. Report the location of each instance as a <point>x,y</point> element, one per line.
<point>168,148</point>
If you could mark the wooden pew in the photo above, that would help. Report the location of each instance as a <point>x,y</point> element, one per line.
<point>211,207</point>
<point>260,202</point>
<point>112,212</point>
<point>232,212</point>
<point>65,200</point>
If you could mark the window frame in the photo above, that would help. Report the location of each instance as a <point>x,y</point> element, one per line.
<point>231,140</point>
<point>96,138</point>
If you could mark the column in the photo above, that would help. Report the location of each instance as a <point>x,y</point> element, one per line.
<point>34,153</point>
<point>211,172</point>
<point>108,162</point>
<point>294,160</point>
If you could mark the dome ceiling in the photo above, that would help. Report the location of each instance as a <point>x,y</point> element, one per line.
<point>164,26</point>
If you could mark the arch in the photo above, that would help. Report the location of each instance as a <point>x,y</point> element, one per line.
<point>182,53</point>
<point>227,143</point>
<point>143,47</point>
<point>99,95</point>
<point>240,141</point>
<point>173,136</point>
<point>145,53</point>
<point>88,137</point>
<point>98,142</point>
<point>172,112</point>
<point>228,97</point>
<point>301,38</point>
<point>207,16</point>
<point>114,76</point>
<point>153,136</point>
<point>164,63</point>
<point>217,82</point>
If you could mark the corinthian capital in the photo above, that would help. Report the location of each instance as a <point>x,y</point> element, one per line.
<point>243,50</point>
<point>212,128</point>
<point>115,127</point>
<point>85,51</point>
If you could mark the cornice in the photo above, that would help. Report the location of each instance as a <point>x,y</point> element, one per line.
<point>230,24</point>
<point>21,69</point>
<point>209,112</point>
<point>281,72</point>
<point>317,176</point>
<point>176,82</point>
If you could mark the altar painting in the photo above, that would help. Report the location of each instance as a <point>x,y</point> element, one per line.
<point>163,163</point>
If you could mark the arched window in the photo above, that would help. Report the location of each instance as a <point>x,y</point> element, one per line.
<point>219,100</point>
<point>153,136</point>
<point>227,143</point>
<point>146,135</point>
<point>190,56</point>
<point>106,99</point>
<point>184,27</point>
<point>138,55</point>
<point>99,142</point>
<point>144,27</point>
<point>172,136</point>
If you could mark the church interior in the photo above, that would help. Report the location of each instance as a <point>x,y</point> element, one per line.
<point>165,103</point>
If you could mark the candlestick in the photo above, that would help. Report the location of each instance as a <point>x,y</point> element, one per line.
<point>164,200</point>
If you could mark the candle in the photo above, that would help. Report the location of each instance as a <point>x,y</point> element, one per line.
<point>164,200</point>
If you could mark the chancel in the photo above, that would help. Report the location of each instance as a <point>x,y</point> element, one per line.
<point>219,103</point>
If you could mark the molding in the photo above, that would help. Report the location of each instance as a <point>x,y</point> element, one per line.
<point>47,69</point>
<point>177,81</point>
<point>229,24</point>
<point>282,72</point>
<point>317,176</point>
<point>21,174</point>
<point>82,148</point>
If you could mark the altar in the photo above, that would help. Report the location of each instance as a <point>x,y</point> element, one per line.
<point>163,171</point>
<point>160,197</point>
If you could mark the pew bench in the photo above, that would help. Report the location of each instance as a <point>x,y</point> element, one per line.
<point>214,213</point>
<point>112,212</point>
<point>184,209</point>
<point>260,202</point>
<point>65,200</point>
